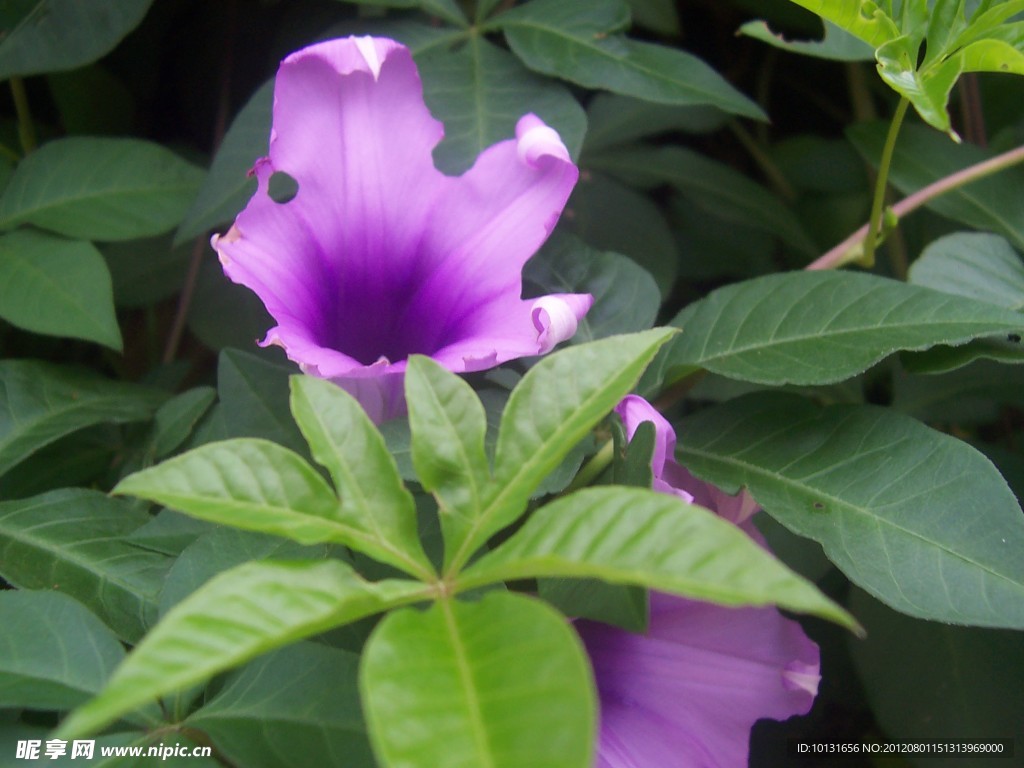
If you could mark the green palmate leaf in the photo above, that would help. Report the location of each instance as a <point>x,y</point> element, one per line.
<point>73,541</point>
<point>578,41</point>
<point>53,35</point>
<point>613,120</point>
<point>303,696</point>
<point>54,653</point>
<point>626,298</point>
<point>555,405</point>
<point>837,44</point>
<point>40,403</point>
<point>503,683</point>
<point>375,506</point>
<point>638,536</point>
<point>479,91</point>
<point>110,189</point>
<point>861,18</point>
<point>228,186</point>
<point>613,217</point>
<point>448,428</point>
<point>919,519</point>
<point>233,618</point>
<point>254,395</point>
<point>927,89</point>
<point>991,204</point>
<point>247,483</point>
<point>821,327</point>
<point>58,287</point>
<point>979,265</point>
<point>711,186</point>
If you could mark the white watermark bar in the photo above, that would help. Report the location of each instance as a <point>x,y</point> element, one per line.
<point>85,749</point>
<point>973,748</point>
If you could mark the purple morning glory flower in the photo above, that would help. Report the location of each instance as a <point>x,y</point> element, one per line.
<point>379,255</point>
<point>688,691</point>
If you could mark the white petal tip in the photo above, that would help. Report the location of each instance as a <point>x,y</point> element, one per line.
<point>556,319</point>
<point>799,676</point>
<point>538,140</point>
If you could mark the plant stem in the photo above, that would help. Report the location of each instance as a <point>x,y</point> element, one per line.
<point>26,131</point>
<point>597,464</point>
<point>768,167</point>
<point>837,256</point>
<point>882,183</point>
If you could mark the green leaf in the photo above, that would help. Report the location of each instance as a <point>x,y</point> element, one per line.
<point>479,92</point>
<point>110,189</point>
<point>861,18</point>
<point>927,89</point>
<point>169,533</point>
<point>233,618</point>
<point>883,494</point>
<point>615,120</point>
<point>613,217</point>
<point>968,395</point>
<point>922,156</point>
<point>555,405</point>
<point>502,682</point>
<point>58,287</point>
<point>254,396</point>
<point>54,653</point>
<point>626,298</point>
<point>445,9</point>
<point>658,16</point>
<point>1006,349</point>
<point>227,186</point>
<point>72,540</point>
<point>822,327</point>
<point>616,604</point>
<point>638,536</point>
<point>836,45</point>
<point>978,265</point>
<point>40,403</point>
<point>578,42</point>
<point>53,35</point>
<point>220,549</point>
<point>375,507</point>
<point>176,419</point>
<point>448,427</point>
<point>303,696</point>
<point>712,186</point>
<point>247,483</point>
<point>923,679</point>
<point>145,271</point>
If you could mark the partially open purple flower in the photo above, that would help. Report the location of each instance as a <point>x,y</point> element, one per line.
<point>688,691</point>
<point>379,255</point>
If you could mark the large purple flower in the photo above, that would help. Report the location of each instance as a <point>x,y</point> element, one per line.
<point>688,691</point>
<point>379,255</point>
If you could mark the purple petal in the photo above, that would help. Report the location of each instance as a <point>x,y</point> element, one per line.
<point>689,691</point>
<point>379,255</point>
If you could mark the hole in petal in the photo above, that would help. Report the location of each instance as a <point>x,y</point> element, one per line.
<point>282,188</point>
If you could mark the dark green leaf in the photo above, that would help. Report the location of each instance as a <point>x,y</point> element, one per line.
<point>968,395</point>
<point>58,287</point>
<point>227,186</point>
<point>73,541</point>
<point>375,506</point>
<point>638,536</point>
<point>176,419</point>
<point>54,653</point>
<point>1004,349</point>
<point>217,298</point>
<point>922,156</point>
<point>110,189</point>
<point>616,604</point>
<point>254,396</point>
<point>822,327</point>
<point>303,696</point>
<point>40,402</point>
<point>658,16</point>
<point>233,618</point>
<point>53,35</point>
<point>614,120</point>
<point>975,264</point>
<point>578,42</point>
<point>503,682</point>
<point>919,519</point>
<point>626,298</point>
<point>145,271</point>
<point>479,91</point>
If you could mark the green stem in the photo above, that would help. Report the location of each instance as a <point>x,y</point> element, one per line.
<point>838,256</point>
<point>768,167</point>
<point>26,131</point>
<point>882,182</point>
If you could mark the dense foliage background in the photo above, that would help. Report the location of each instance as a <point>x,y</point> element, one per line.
<point>126,131</point>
